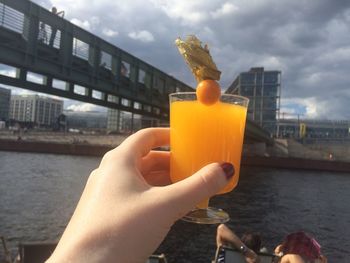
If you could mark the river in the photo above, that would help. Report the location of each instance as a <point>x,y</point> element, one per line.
<point>38,193</point>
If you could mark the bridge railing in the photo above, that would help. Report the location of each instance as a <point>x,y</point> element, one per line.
<point>84,66</point>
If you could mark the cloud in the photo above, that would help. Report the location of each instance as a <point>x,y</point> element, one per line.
<point>186,12</point>
<point>82,107</point>
<point>143,35</point>
<point>226,9</point>
<point>109,32</point>
<point>306,108</point>
<point>84,24</point>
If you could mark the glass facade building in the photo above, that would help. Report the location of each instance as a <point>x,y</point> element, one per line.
<point>87,120</point>
<point>263,88</point>
<point>5,96</point>
<point>113,120</point>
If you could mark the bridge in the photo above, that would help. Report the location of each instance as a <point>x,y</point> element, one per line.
<point>51,55</point>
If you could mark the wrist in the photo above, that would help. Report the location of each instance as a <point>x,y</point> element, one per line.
<point>244,249</point>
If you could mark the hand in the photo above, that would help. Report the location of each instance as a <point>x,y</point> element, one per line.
<point>251,256</point>
<point>279,250</point>
<point>125,210</point>
<point>226,237</point>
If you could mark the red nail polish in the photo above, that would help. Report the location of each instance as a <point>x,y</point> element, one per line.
<point>229,169</point>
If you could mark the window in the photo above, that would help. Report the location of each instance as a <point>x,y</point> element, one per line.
<point>269,115</point>
<point>49,35</point>
<point>270,90</point>
<point>259,79</point>
<point>112,98</point>
<point>171,88</point>
<point>59,84</point>
<point>156,111</point>
<point>137,105</point>
<point>97,94</point>
<point>106,60</point>
<point>80,90</point>
<point>148,80</point>
<point>147,108</point>
<point>270,77</point>
<point>125,69</point>
<point>126,102</point>
<point>142,76</point>
<point>161,85</point>
<point>247,78</point>
<point>258,90</point>
<point>258,104</point>
<point>247,90</point>
<point>80,49</point>
<point>35,78</point>
<point>11,18</point>
<point>269,103</point>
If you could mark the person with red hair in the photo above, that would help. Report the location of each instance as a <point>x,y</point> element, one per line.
<point>300,247</point>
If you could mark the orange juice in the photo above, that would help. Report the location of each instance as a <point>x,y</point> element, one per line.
<point>202,134</point>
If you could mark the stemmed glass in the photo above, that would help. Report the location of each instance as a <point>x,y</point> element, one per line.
<point>202,134</point>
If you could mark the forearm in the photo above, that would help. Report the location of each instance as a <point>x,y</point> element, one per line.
<point>95,248</point>
<point>227,237</point>
<point>116,237</point>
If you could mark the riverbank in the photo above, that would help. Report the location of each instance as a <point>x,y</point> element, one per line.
<point>64,137</point>
<point>81,147</point>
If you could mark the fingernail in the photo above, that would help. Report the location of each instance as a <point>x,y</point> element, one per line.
<point>229,169</point>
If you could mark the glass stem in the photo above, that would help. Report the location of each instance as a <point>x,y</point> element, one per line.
<point>204,204</point>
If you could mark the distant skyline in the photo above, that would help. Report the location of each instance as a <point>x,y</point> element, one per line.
<point>72,105</point>
<point>307,40</point>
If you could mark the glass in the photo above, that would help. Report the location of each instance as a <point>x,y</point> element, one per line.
<point>200,135</point>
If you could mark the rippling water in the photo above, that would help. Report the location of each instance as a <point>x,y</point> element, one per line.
<point>38,193</point>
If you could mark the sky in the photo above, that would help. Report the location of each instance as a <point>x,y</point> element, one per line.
<point>309,41</point>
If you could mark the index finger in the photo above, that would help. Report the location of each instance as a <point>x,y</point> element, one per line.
<point>142,142</point>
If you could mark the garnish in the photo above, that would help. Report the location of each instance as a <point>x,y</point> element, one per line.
<point>203,68</point>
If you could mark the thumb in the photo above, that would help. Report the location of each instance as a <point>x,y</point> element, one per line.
<point>206,182</point>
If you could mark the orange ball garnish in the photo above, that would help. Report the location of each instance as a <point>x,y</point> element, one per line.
<point>208,91</point>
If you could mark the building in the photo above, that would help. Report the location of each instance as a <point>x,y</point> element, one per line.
<point>126,122</point>
<point>86,120</point>
<point>263,88</point>
<point>122,121</point>
<point>35,109</point>
<point>114,120</point>
<point>5,97</point>
<point>314,129</point>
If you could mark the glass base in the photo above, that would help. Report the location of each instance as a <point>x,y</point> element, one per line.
<point>208,215</point>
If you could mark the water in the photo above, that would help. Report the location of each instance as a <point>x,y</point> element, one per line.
<point>38,193</point>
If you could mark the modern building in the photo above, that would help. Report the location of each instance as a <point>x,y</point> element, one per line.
<point>122,121</point>
<point>126,122</point>
<point>35,109</point>
<point>263,88</point>
<point>114,121</point>
<point>314,129</point>
<point>86,120</point>
<point>5,97</point>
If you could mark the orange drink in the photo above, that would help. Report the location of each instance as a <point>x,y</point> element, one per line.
<point>202,134</point>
